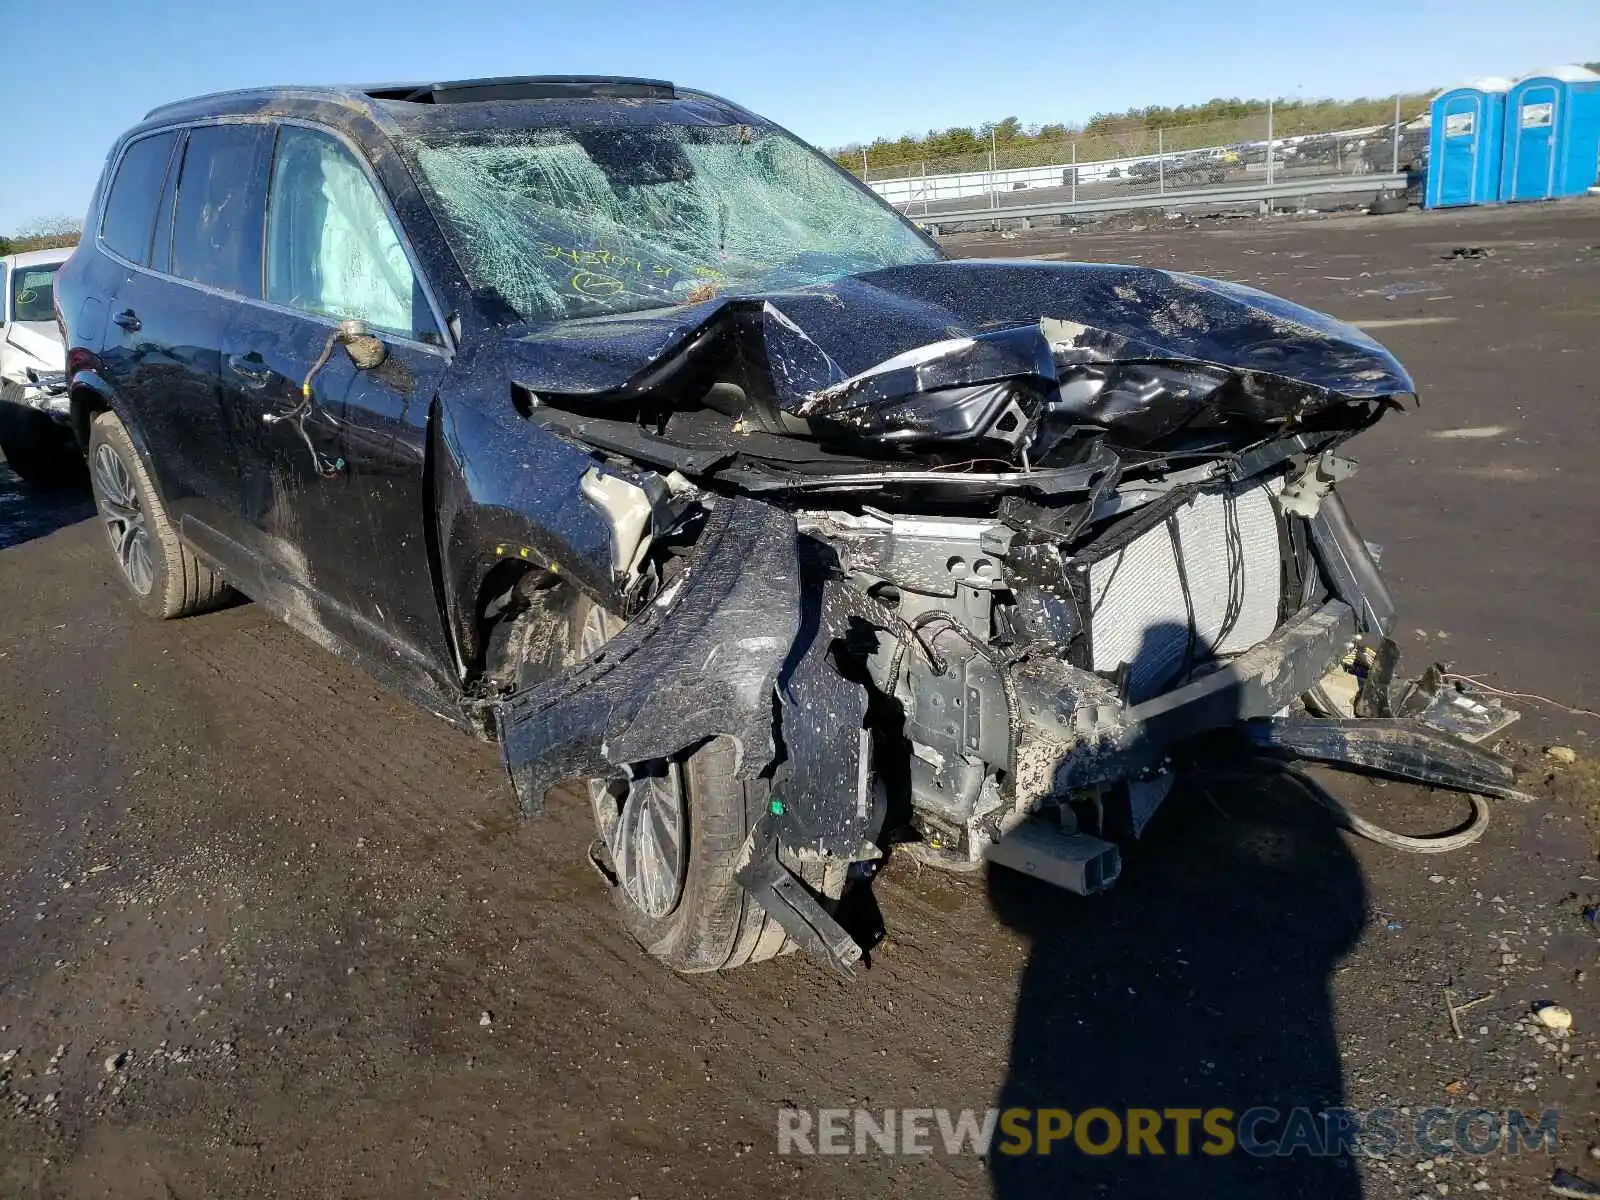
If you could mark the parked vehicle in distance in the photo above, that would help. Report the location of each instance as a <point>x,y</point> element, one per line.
<point>35,434</point>
<point>618,426</point>
<point>1148,170</point>
<point>1180,170</point>
<point>1199,167</point>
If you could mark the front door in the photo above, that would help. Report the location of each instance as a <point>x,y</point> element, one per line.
<point>1534,123</point>
<point>332,453</point>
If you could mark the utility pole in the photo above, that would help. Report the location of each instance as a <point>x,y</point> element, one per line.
<point>1394,165</point>
<point>1269,143</point>
<point>1074,172</point>
<point>994,199</point>
<point>1161,164</point>
<point>863,164</point>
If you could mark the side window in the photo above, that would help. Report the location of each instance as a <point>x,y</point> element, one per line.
<point>216,224</point>
<point>131,207</point>
<point>331,247</point>
<point>161,243</point>
<point>5,296</point>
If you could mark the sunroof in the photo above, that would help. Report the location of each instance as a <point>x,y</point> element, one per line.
<point>528,87</point>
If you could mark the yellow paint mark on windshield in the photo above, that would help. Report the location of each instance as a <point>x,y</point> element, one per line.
<point>591,283</point>
<point>611,260</point>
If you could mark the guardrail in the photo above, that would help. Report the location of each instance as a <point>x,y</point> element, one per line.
<point>1234,194</point>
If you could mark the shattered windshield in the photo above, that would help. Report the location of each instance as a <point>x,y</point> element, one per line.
<point>579,222</point>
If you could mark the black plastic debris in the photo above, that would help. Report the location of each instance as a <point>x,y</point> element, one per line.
<point>1565,1183</point>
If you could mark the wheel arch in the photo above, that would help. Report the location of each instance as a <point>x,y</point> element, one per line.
<point>88,396</point>
<point>505,502</point>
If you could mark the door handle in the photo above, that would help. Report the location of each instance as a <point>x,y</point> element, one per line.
<point>129,320</point>
<point>250,368</point>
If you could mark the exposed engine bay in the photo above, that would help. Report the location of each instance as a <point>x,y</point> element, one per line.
<point>979,555</point>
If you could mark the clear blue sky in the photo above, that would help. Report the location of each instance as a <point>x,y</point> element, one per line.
<point>834,71</point>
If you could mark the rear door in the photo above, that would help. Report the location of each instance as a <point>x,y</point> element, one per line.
<point>332,455</point>
<point>179,218</point>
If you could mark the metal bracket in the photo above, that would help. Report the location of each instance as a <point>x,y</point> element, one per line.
<point>791,904</point>
<point>1302,495</point>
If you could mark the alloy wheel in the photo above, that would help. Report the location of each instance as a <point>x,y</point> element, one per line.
<point>641,816</point>
<point>124,515</point>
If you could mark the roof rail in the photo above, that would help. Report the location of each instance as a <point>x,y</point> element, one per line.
<point>187,101</point>
<point>455,91</point>
<point>526,87</point>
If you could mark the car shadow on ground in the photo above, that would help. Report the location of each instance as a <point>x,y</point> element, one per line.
<point>1200,981</point>
<point>27,513</point>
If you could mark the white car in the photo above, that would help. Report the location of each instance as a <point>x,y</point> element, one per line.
<point>35,429</point>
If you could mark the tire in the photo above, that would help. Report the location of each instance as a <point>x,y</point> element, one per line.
<point>164,577</point>
<point>37,449</point>
<point>711,923</point>
<point>714,925</point>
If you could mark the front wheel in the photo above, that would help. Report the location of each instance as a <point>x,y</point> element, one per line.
<point>671,833</point>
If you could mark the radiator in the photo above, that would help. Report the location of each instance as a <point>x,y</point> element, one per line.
<point>1226,549</point>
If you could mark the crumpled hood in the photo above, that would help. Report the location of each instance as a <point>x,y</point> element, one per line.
<point>828,333</point>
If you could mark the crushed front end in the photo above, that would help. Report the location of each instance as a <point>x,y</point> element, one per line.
<point>1047,677</point>
<point>977,551</point>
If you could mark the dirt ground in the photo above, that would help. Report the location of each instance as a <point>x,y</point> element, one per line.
<point>267,930</point>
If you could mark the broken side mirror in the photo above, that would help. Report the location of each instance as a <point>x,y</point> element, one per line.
<point>364,350</point>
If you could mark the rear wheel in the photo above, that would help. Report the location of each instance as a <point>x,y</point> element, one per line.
<point>164,576</point>
<point>670,836</point>
<point>37,449</point>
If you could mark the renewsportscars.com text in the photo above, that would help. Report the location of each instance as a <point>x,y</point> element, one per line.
<point>1261,1131</point>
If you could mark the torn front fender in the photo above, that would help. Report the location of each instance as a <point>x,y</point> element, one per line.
<point>702,660</point>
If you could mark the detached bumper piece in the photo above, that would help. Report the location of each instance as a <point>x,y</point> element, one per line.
<point>1397,747</point>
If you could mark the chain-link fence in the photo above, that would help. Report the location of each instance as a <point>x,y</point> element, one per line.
<point>1129,158</point>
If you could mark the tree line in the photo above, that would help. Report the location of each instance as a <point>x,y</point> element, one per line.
<point>46,233</point>
<point>1290,118</point>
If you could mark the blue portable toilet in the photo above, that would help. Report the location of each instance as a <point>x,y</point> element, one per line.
<point>1552,135</point>
<point>1464,144</point>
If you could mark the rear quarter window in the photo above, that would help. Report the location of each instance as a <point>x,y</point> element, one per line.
<point>135,193</point>
<point>216,225</point>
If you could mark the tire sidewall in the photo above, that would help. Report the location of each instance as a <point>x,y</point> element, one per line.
<point>107,430</point>
<point>716,922</point>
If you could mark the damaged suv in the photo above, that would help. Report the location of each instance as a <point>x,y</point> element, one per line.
<point>34,437</point>
<point>615,424</point>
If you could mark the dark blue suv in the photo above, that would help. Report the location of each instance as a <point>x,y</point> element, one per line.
<point>615,424</point>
